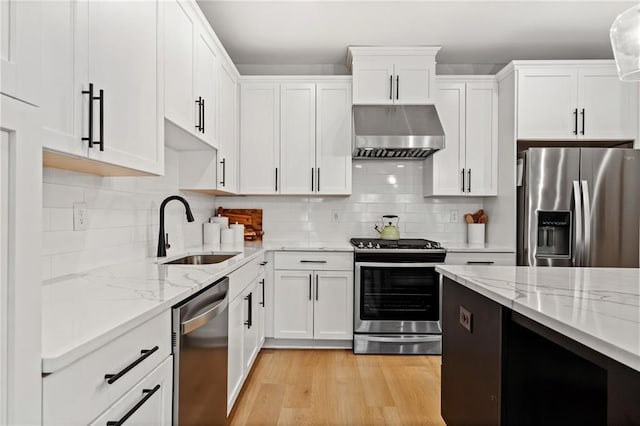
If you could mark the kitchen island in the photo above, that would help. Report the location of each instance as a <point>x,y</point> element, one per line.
<point>540,345</point>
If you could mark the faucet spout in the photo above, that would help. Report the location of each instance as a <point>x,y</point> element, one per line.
<point>162,243</point>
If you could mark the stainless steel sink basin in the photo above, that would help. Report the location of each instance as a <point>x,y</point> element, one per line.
<point>201,259</point>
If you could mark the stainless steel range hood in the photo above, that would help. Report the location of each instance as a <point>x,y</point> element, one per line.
<point>396,131</point>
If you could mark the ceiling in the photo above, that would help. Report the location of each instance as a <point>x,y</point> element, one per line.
<point>266,35</point>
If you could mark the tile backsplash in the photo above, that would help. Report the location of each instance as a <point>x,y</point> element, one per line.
<point>122,219</point>
<point>379,187</point>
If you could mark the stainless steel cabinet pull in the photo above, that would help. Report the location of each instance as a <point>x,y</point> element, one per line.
<point>310,286</point>
<point>469,182</point>
<point>249,321</point>
<point>390,87</point>
<point>582,114</point>
<point>144,354</point>
<point>313,261</point>
<point>575,121</point>
<point>224,171</point>
<point>148,393</point>
<point>317,287</point>
<point>462,180</point>
<point>397,87</point>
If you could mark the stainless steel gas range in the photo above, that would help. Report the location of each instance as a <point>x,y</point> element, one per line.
<point>398,296</point>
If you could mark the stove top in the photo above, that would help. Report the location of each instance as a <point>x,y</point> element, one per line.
<point>406,244</point>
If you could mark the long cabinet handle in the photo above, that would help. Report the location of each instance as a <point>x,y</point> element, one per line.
<point>224,171</point>
<point>462,180</point>
<point>148,393</point>
<point>480,262</point>
<point>317,287</point>
<point>89,92</point>
<point>276,179</point>
<point>390,87</point>
<point>582,114</point>
<point>313,261</point>
<point>203,114</point>
<point>249,321</point>
<point>262,282</point>
<point>469,181</point>
<point>199,124</point>
<point>144,354</point>
<point>575,121</point>
<point>310,279</point>
<point>318,180</point>
<point>263,263</point>
<point>312,185</point>
<point>101,140</point>
<point>397,87</point>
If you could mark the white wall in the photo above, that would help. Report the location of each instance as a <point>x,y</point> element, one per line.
<point>122,221</point>
<point>379,187</point>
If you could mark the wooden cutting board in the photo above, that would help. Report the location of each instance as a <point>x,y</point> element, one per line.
<point>250,218</point>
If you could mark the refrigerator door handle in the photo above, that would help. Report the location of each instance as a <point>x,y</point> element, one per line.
<point>577,251</point>
<point>587,223</point>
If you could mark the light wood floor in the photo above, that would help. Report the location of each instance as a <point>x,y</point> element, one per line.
<point>335,387</point>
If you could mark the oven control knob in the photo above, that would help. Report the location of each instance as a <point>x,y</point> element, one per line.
<point>377,246</point>
<point>369,245</point>
<point>360,245</point>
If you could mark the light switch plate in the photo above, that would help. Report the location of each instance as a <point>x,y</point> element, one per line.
<point>453,216</point>
<point>80,216</point>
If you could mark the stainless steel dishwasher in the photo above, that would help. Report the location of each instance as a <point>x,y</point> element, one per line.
<point>200,343</point>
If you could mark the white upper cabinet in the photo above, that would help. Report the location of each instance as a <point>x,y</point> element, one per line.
<point>20,49</point>
<point>227,130</point>
<point>297,137</point>
<point>575,100</point>
<point>333,138</point>
<point>468,165</point>
<point>190,72</point>
<point>383,76</point>
<point>90,50</point>
<point>259,137</point>
<point>305,127</point>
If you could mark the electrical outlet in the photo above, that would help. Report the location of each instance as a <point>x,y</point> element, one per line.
<point>335,216</point>
<point>465,318</point>
<point>453,216</point>
<point>80,216</point>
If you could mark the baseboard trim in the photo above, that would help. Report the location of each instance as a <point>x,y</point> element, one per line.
<point>272,343</point>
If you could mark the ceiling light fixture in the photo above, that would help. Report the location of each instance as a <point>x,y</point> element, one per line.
<point>625,41</point>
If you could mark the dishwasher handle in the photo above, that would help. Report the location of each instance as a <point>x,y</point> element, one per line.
<point>199,321</point>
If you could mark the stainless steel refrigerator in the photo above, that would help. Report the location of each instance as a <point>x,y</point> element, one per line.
<point>579,207</point>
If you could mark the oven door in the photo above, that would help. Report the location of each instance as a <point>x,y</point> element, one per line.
<point>397,298</point>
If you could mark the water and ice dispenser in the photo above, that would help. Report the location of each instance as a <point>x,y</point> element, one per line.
<point>554,234</point>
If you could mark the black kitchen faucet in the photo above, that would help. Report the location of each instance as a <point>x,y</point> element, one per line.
<point>163,243</point>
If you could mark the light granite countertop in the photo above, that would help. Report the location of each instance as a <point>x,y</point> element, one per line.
<point>82,312</point>
<point>598,307</point>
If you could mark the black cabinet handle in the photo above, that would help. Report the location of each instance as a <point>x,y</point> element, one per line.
<point>224,171</point>
<point>469,181</point>
<point>582,114</point>
<point>276,179</point>
<point>199,124</point>
<point>263,263</point>
<point>575,121</point>
<point>391,87</point>
<point>480,262</point>
<point>397,87</point>
<point>90,93</point>
<point>318,179</point>
<point>249,321</point>
<point>310,286</point>
<point>101,140</point>
<point>203,114</point>
<point>462,180</point>
<point>313,261</point>
<point>145,353</point>
<point>262,282</point>
<point>148,393</point>
<point>312,173</point>
<point>317,287</point>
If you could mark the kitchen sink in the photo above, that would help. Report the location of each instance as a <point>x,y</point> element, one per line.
<point>201,259</point>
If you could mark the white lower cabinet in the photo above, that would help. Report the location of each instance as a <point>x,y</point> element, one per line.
<point>245,324</point>
<point>481,258</point>
<point>148,403</point>
<point>313,304</point>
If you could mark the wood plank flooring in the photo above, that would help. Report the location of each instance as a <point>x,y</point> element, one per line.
<point>336,387</point>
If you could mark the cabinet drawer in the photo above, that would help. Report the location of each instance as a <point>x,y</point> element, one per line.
<point>316,261</point>
<point>243,276</point>
<point>148,403</point>
<point>80,392</point>
<point>481,258</point>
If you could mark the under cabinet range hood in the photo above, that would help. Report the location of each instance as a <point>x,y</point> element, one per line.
<point>396,131</point>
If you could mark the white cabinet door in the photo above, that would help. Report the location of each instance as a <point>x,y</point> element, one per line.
<point>547,103</point>
<point>444,169</point>
<point>123,61</point>
<point>414,81</point>
<point>293,305</point>
<point>250,330</point>
<point>259,138</point>
<point>20,49</point>
<point>64,76</point>
<point>333,306</point>
<point>153,393</point>
<point>608,107</point>
<point>373,81</point>
<point>179,103</point>
<point>481,146</point>
<point>235,359</point>
<point>205,84</point>
<point>333,138</point>
<point>227,130</point>
<point>297,137</point>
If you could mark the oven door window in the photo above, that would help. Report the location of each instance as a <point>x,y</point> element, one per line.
<point>399,294</point>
